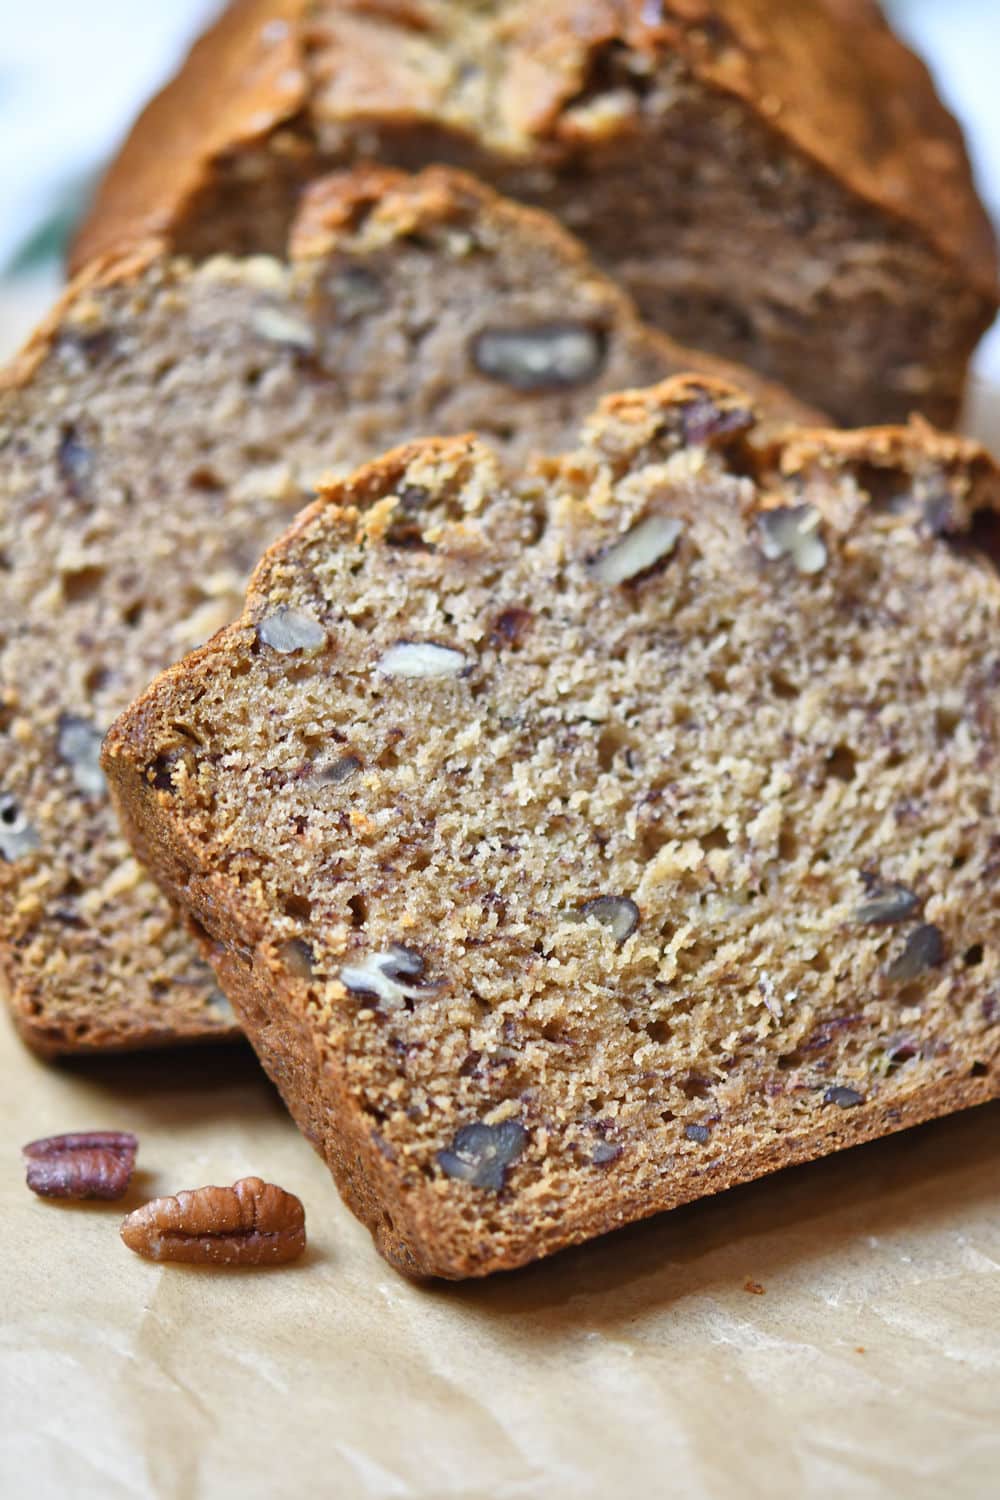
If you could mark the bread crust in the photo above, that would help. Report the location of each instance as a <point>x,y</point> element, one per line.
<point>831,80</point>
<point>407,1215</point>
<point>242,80</point>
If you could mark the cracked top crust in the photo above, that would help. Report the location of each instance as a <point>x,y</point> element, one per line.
<point>522,79</point>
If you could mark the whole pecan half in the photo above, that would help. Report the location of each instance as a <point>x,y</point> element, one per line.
<point>252,1223</point>
<point>87,1164</point>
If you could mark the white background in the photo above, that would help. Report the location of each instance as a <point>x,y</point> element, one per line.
<point>73,73</point>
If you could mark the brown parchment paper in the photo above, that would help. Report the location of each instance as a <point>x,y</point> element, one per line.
<point>833,1331</point>
<point>639,1365</point>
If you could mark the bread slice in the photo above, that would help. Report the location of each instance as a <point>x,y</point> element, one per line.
<point>773,180</point>
<point>574,846</point>
<point>158,434</point>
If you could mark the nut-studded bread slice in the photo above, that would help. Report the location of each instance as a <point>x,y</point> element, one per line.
<point>158,434</point>
<point>574,846</point>
<point>774,180</point>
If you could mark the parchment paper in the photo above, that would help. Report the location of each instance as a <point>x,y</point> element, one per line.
<point>639,1365</point>
<point>833,1331</point>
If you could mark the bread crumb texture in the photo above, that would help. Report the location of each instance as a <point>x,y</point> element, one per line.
<point>158,434</point>
<point>575,845</point>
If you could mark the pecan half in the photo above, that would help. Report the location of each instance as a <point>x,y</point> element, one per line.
<point>87,1164</point>
<point>252,1223</point>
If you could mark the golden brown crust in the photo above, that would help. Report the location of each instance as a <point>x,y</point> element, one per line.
<point>241,80</point>
<point>830,79</point>
<point>338,202</point>
<point>409,1218</point>
<point>841,88</point>
<point>51,1042</point>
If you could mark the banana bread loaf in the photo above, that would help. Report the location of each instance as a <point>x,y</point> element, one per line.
<point>575,846</point>
<point>158,435</point>
<point>773,180</point>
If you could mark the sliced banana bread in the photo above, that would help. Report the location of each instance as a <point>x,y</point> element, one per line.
<point>574,846</point>
<point>774,180</point>
<point>157,435</point>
